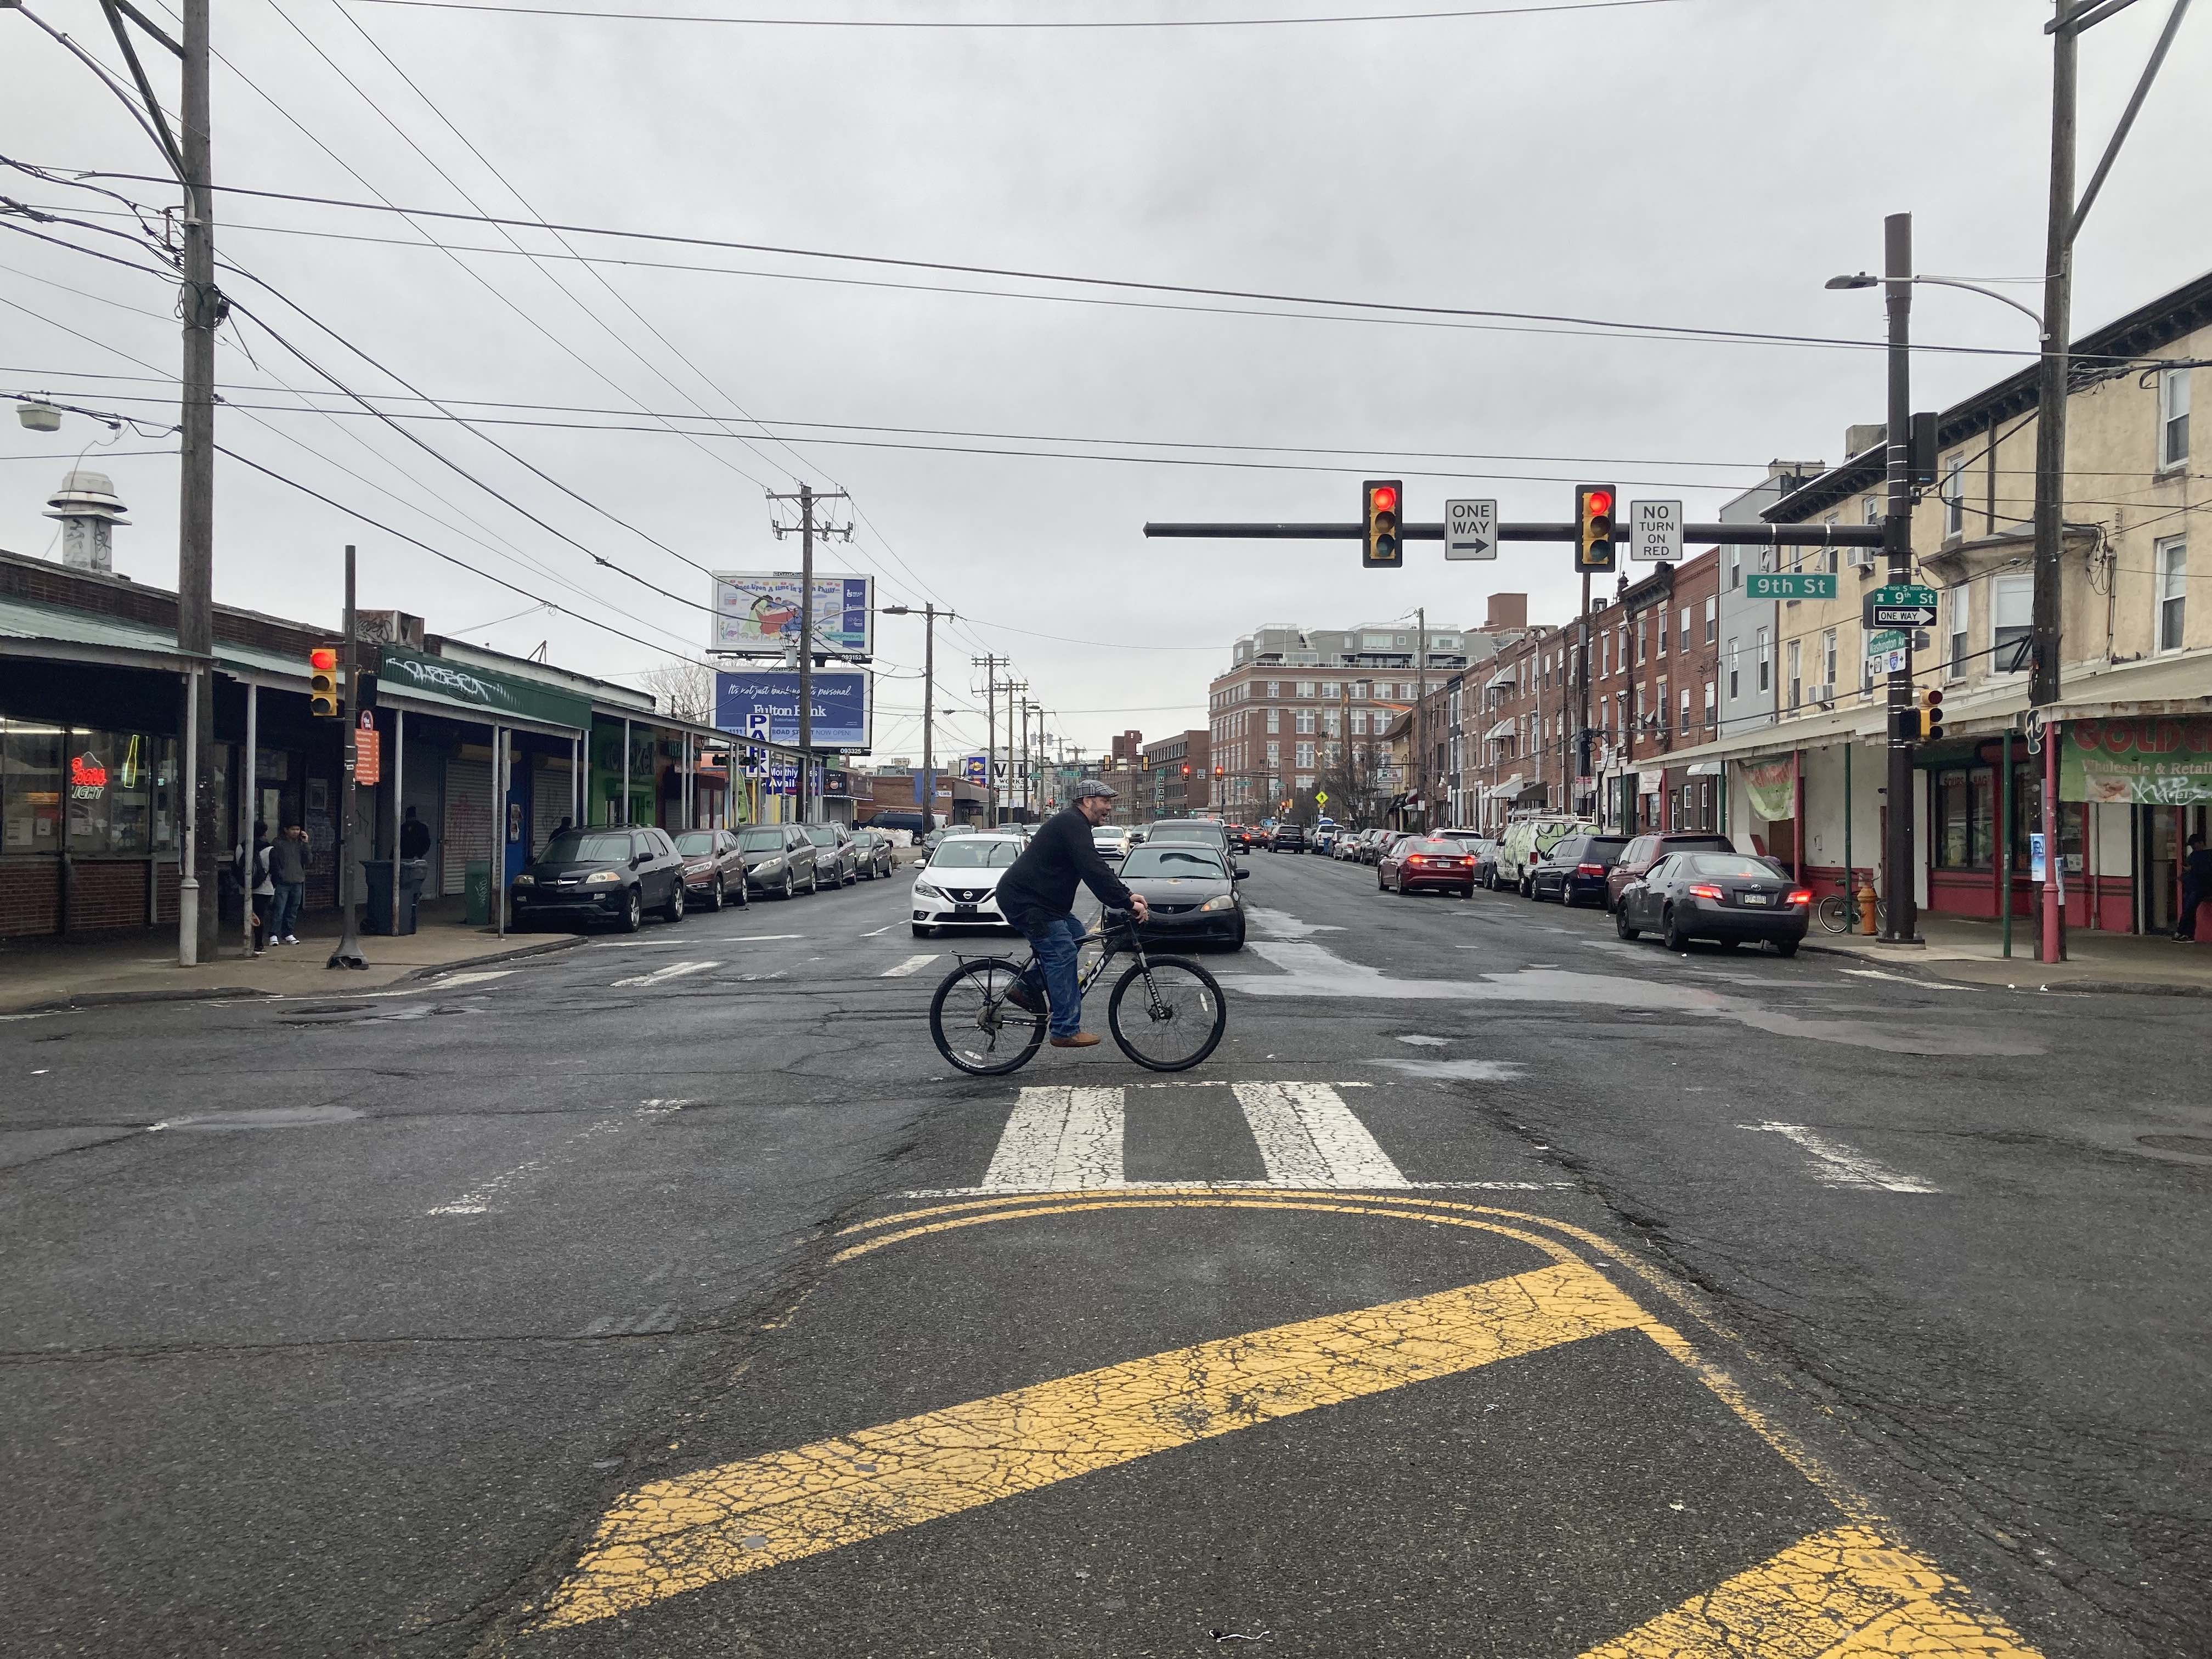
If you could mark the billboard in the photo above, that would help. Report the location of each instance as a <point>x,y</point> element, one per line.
<point>975,769</point>
<point>757,613</point>
<point>762,703</point>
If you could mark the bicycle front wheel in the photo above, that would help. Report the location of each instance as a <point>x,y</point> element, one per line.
<point>1167,1014</point>
<point>1835,914</point>
<point>975,1027</point>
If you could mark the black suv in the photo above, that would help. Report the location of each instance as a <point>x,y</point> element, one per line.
<point>1575,869</point>
<point>606,875</point>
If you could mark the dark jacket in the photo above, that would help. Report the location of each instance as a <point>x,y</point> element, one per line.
<point>1041,882</point>
<point>414,839</point>
<point>288,859</point>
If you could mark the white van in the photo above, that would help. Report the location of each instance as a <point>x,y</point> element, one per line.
<point>1525,842</point>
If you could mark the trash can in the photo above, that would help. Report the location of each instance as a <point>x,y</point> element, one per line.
<point>475,889</point>
<point>376,913</point>
<point>413,873</point>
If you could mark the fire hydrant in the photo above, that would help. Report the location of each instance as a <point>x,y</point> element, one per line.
<point>1866,899</point>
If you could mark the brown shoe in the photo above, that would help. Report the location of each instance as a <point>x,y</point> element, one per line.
<point>1080,1040</point>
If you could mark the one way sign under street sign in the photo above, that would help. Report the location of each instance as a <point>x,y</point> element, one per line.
<point>1471,530</point>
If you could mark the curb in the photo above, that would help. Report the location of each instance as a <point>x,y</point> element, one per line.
<point>2146,988</point>
<point>545,948</point>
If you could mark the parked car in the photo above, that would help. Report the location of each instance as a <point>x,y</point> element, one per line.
<point>1726,897</point>
<point>592,877</point>
<point>1112,841</point>
<point>872,851</point>
<point>1573,870</point>
<point>1525,842</point>
<point>1325,832</point>
<point>1347,846</point>
<point>779,860</point>
<point>945,832</point>
<point>1641,853</point>
<point>836,861</point>
<point>714,868</point>
<point>1482,848</point>
<point>1287,838</point>
<point>958,887</point>
<point>1418,862</point>
<point>1191,890</point>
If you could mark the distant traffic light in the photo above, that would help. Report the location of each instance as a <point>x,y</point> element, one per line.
<point>1594,528</point>
<point>323,682</point>
<point>1931,716</point>
<point>1186,769</point>
<point>1382,506</point>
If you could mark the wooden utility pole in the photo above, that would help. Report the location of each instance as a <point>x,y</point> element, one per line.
<point>990,666</point>
<point>203,307</point>
<point>807,497</point>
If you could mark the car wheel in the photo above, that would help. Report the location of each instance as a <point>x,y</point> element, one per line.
<point>1624,927</point>
<point>1567,897</point>
<point>719,898</point>
<point>1525,888</point>
<point>1786,947</point>
<point>1237,944</point>
<point>1672,935</point>
<point>632,915</point>
<point>673,910</point>
<point>814,881</point>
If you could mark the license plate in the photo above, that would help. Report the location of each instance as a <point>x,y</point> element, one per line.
<point>1758,898</point>
<point>964,909</point>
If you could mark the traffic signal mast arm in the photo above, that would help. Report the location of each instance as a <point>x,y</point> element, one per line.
<point>1724,535</point>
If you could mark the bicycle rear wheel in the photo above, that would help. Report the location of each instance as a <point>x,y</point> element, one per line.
<point>975,1027</point>
<point>1835,914</point>
<point>1175,1011</point>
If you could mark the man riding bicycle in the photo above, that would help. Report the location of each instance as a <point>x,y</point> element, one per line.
<point>1037,896</point>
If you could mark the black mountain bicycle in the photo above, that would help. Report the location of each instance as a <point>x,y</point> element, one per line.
<point>1165,1013</point>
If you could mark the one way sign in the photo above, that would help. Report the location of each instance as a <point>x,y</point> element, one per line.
<point>1471,530</point>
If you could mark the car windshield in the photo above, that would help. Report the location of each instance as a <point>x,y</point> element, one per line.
<point>822,835</point>
<point>761,841</point>
<point>976,853</point>
<point>695,843</point>
<point>1184,832</point>
<point>1724,864</point>
<point>604,848</point>
<point>1172,862</point>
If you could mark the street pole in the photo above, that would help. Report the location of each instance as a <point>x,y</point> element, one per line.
<point>202,307</point>
<point>1902,925</point>
<point>806,646</point>
<point>348,954</point>
<point>1421,709</point>
<point>1584,762</point>
<point>928,687</point>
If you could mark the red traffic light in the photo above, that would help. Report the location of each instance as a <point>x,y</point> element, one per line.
<point>1600,501</point>
<point>324,658</point>
<point>1383,499</point>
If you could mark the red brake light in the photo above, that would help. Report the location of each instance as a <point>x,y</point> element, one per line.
<point>1416,858</point>
<point>1704,890</point>
<point>1589,869</point>
<point>1800,896</point>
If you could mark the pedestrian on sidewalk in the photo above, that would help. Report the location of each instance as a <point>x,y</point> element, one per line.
<point>287,864</point>
<point>2195,886</point>
<point>260,887</point>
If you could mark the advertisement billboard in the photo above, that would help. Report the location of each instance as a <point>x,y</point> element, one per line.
<point>757,613</point>
<point>763,704</point>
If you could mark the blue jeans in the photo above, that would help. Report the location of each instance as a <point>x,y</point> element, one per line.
<point>290,895</point>
<point>1054,943</point>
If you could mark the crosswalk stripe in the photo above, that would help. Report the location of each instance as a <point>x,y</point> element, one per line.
<point>1059,1141</point>
<point>1310,1138</point>
<point>674,970</point>
<point>909,965</point>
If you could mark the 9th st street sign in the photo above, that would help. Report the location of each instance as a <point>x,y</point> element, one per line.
<point>1900,607</point>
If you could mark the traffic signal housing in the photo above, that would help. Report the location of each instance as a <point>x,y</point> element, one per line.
<point>1594,547</point>
<point>1382,506</point>
<point>323,682</point>
<point>1931,716</point>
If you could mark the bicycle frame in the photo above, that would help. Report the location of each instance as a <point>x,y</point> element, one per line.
<point>1119,940</point>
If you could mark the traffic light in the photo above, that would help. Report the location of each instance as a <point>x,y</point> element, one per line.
<point>323,682</point>
<point>1594,528</point>
<point>1931,716</point>
<point>1381,505</point>
<point>1186,769</point>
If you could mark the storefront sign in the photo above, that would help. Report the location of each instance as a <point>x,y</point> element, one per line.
<point>494,695</point>
<point>88,777</point>
<point>2158,761</point>
<point>368,756</point>
<point>1772,787</point>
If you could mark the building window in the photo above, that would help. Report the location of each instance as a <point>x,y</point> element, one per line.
<point>1955,498</point>
<point>1794,657</point>
<point>1305,688</point>
<point>1305,754</point>
<point>1712,708</point>
<point>1305,783</point>
<point>1766,662</point>
<point>1735,568</point>
<point>1274,755</point>
<point>1828,661</point>
<point>1360,722</point>
<point>1682,641</point>
<point>1734,677</point>
<point>1713,620</point>
<point>1965,820</point>
<point>2012,619</point>
<point>1274,689</point>
<point>1305,722</point>
<point>2171,559</point>
<point>1828,553</point>
<point>2172,418</point>
<point>1685,709</point>
<point>1962,611</point>
<point>1330,690</point>
<point>1275,722</point>
<point>1332,722</point>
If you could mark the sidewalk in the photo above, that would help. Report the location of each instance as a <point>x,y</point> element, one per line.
<point>143,967</point>
<point>1970,952</point>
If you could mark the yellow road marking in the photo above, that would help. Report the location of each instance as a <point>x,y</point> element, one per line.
<point>1844,1594</point>
<point>698,1530</point>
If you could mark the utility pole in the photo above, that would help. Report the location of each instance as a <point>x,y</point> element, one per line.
<point>1583,762</point>
<point>348,953</point>
<point>1014,688</point>
<point>1421,711</point>
<point>990,666</point>
<point>202,308</point>
<point>930,613</point>
<point>1902,925</point>
<point>806,498</point>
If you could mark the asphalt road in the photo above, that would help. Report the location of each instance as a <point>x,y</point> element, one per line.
<point>1497,1287</point>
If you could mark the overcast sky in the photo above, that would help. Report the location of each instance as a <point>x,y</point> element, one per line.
<point>1703,163</point>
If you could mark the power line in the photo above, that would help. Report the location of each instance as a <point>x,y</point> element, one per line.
<point>1025,24</point>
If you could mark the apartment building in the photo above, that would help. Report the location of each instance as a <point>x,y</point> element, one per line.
<point>2130,740</point>
<point>1177,774</point>
<point>1748,627</point>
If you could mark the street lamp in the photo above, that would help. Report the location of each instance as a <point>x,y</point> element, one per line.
<point>1861,279</point>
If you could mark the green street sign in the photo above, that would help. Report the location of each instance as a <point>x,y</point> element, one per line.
<point>1903,595</point>
<point>1791,584</point>
<point>1890,639</point>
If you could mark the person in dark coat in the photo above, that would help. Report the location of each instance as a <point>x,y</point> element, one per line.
<point>1037,896</point>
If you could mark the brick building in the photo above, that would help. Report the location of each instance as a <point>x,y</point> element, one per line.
<point>1177,774</point>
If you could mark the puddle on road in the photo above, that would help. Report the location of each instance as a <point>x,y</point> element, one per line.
<point>261,1117</point>
<point>1314,971</point>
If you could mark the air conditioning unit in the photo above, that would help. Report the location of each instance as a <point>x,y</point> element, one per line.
<point>1819,694</point>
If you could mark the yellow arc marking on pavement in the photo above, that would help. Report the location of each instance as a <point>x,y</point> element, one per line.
<point>1841,1594</point>
<point>698,1530</point>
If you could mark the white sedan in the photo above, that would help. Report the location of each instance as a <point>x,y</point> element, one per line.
<point>958,887</point>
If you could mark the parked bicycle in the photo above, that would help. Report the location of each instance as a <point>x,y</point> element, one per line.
<point>1839,911</point>
<point>1166,1014</point>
